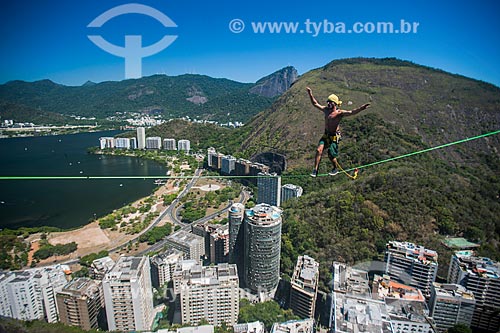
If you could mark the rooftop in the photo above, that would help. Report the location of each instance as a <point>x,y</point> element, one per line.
<point>125,269</point>
<point>387,288</point>
<point>264,214</point>
<point>207,275</point>
<point>306,273</point>
<point>185,238</point>
<point>479,266</point>
<point>350,280</point>
<point>359,314</point>
<point>452,291</point>
<point>410,250</point>
<point>294,326</point>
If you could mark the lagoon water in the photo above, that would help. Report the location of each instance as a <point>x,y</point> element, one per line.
<point>67,203</point>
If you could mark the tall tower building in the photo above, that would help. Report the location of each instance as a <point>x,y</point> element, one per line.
<point>413,265</point>
<point>269,189</point>
<point>262,247</point>
<point>80,303</point>
<point>304,287</point>
<point>208,292</point>
<point>481,276</point>
<point>236,238</point>
<point>141,138</point>
<point>128,295</point>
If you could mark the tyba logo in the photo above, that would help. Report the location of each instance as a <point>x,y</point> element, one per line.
<point>133,52</point>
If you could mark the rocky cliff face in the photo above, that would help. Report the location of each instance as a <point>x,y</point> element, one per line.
<point>275,84</point>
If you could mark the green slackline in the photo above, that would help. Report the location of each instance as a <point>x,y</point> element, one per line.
<point>217,176</point>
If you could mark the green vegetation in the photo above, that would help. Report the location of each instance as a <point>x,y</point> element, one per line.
<point>156,234</point>
<point>223,100</point>
<point>13,252</point>
<point>419,199</point>
<point>47,250</point>
<point>268,312</point>
<point>196,203</point>
<point>89,258</point>
<point>460,328</point>
<point>38,326</point>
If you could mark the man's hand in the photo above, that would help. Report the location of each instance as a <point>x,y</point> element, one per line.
<point>309,90</point>
<point>365,106</point>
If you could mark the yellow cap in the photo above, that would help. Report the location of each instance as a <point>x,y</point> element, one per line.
<point>333,98</point>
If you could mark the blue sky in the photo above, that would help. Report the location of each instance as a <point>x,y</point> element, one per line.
<point>47,39</point>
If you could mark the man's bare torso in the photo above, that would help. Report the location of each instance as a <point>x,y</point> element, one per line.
<point>332,120</point>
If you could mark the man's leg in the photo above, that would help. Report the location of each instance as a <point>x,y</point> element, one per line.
<point>317,159</point>
<point>332,155</point>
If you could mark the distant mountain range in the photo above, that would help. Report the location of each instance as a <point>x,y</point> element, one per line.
<point>195,96</point>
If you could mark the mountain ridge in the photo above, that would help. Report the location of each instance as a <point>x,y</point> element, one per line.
<point>193,95</point>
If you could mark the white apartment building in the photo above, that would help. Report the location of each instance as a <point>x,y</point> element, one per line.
<point>184,145</point>
<point>304,287</point>
<point>163,266</point>
<point>208,292</point>
<point>451,304</point>
<point>169,144</point>
<point>106,142</point>
<point>289,191</point>
<point>192,245</point>
<point>153,142</point>
<point>141,138</point>
<point>481,276</point>
<point>122,143</point>
<point>411,264</point>
<point>128,295</point>
<point>31,294</point>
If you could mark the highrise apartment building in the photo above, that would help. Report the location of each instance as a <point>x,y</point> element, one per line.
<point>236,237</point>
<point>80,302</point>
<point>451,304</point>
<point>216,241</point>
<point>208,292</point>
<point>153,142</point>
<point>122,143</point>
<point>227,165</point>
<point>192,245</point>
<point>163,265</point>
<point>289,191</point>
<point>141,138</point>
<point>262,247</point>
<point>107,142</point>
<point>481,276</point>
<point>304,287</point>
<point>269,189</point>
<point>410,264</point>
<point>169,144</point>
<point>184,145</point>
<point>31,294</point>
<point>128,295</point>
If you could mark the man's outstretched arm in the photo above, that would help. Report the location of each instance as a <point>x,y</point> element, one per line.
<point>314,102</point>
<point>356,111</point>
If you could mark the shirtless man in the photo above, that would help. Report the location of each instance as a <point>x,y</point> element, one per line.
<point>330,139</point>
